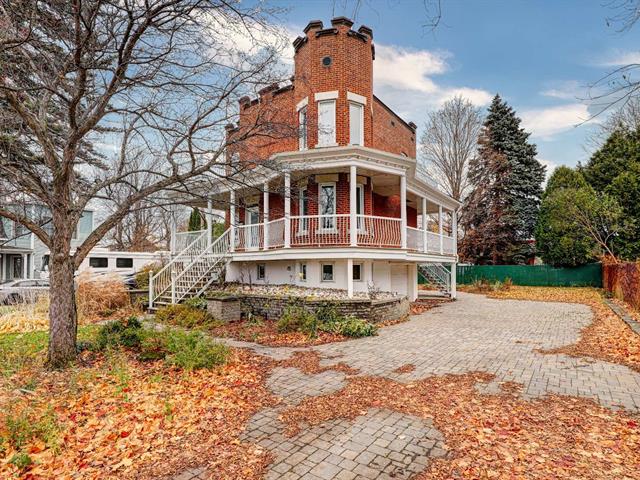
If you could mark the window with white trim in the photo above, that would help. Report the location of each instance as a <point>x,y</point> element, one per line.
<point>360,205</point>
<point>302,128</point>
<point>326,123</point>
<point>261,271</point>
<point>357,272</point>
<point>356,123</point>
<point>302,274</point>
<point>327,272</point>
<point>328,205</point>
<point>303,209</point>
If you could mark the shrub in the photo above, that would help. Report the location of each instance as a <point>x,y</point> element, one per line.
<point>184,315</point>
<point>142,276</point>
<point>125,333</point>
<point>197,302</point>
<point>356,327</point>
<point>193,350</point>
<point>100,298</point>
<point>296,318</point>
<point>21,460</point>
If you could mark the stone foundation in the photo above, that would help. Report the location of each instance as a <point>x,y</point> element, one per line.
<point>226,309</point>
<point>375,311</point>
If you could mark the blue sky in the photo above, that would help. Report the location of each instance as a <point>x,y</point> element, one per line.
<point>541,56</point>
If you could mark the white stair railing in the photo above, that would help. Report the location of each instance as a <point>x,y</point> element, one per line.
<point>188,269</point>
<point>437,274</point>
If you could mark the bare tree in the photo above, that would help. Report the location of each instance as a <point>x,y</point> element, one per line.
<point>160,76</point>
<point>449,142</point>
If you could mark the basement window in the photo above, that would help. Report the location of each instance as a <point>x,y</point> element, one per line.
<point>327,272</point>
<point>261,271</point>
<point>357,272</point>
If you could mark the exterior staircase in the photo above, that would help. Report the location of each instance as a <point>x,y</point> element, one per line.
<point>438,276</point>
<point>190,272</point>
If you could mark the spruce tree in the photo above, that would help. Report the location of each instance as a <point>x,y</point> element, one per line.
<point>195,220</point>
<point>502,209</point>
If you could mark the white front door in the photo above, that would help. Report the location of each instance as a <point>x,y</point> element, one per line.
<point>252,219</point>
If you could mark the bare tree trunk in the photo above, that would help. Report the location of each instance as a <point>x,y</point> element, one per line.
<point>63,318</point>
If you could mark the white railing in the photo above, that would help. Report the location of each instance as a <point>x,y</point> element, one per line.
<point>275,233</point>
<point>438,275</point>
<point>308,230</point>
<point>249,237</point>
<point>189,268</point>
<point>448,245</point>
<point>433,243</point>
<point>379,231</point>
<point>415,239</point>
<point>184,239</point>
<point>160,283</point>
<point>203,270</point>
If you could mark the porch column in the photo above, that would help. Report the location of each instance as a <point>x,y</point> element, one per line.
<point>440,230</point>
<point>232,220</point>
<point>174,228</point>
<point>454,228</point>
<point>453,279</point>
<point>353,221</point>
<point>1,266</point>
<point>403,211</point>
<point>25,268</point>
<point>350,277</point>
<point>287,210</point>
<point>209,217</point>
<point>265,216</point>
<point>424,224</point>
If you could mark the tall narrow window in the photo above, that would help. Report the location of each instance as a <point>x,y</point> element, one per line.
<point>359,205</point>
<point>302,128</point>
<point>328,205</point>
<point>326,123</point>
<point>356,123</point>
<point>303,207</point>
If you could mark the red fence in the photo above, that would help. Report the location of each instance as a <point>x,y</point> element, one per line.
<point>623,281</point>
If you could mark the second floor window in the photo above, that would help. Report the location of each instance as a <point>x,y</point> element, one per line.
<point>356,123</point>
<point>3,230</point>
<point>326,123</point>
<point>302,126</point>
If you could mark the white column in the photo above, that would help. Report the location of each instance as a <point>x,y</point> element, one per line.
<point>440,230</point>
<point>232,221</point>
<point>453,279</point>
<point>424,224</point>
<point>25,271</point>
<point>350,277</point>
<point>287,210</point>
<point>353,222</point>
<point>454,232</point>
<point>174,228</point>
<point>209,217</point>
<point>2,266</point>
<point>403,211</point>
<point>265,216</point>
<point>412,278</point>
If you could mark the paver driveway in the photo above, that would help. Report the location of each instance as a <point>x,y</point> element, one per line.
<point>501,337</point>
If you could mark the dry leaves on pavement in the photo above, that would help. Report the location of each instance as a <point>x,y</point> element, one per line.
<point>494,436</point>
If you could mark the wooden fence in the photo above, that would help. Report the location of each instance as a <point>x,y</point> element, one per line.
<point>622,280</point>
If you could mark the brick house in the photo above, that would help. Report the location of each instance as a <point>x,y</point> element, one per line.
<point>346,207</point>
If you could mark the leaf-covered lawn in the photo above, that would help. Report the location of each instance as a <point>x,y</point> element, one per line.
<point>112,416</point>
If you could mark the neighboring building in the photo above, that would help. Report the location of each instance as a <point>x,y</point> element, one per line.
<point>23,255</point>
<point>342,203</point>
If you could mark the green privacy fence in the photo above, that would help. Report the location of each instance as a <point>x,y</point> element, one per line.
<point>533,275</point>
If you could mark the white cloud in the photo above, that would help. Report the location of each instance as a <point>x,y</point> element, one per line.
<point>568,90</point>
<point>408,69</point>
<point>619,59</point>
<point>547,122</point>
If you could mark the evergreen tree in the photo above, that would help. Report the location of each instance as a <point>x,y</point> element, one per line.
<point>559,239</point>
<point>502,209</point>
<point>195,220</point>
<point>615,170</point>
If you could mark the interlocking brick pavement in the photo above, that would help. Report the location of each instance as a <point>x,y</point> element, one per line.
<point>475,333</point>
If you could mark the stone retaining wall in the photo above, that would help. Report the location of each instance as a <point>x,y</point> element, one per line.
<point>375,311</point>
